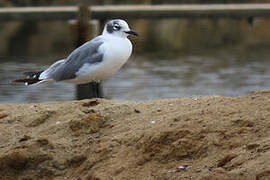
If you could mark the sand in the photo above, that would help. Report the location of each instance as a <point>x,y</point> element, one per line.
<point>210,137</point>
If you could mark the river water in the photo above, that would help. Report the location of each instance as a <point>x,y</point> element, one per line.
<point>213,72</point>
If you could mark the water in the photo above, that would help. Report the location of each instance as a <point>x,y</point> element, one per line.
<point>215,72</point>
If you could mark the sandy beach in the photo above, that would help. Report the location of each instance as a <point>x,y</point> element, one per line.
<point>211,137</point>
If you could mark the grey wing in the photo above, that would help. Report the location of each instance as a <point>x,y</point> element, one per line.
<point>46,74</point>
<point>87,53</point>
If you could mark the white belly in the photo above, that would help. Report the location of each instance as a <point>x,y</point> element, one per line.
<point>116,53</point>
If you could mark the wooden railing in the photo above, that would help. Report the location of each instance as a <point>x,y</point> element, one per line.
<point>138,12</point>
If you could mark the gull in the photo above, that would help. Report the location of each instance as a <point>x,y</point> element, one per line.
<point>94,61</point>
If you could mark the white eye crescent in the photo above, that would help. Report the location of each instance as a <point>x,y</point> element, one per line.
<point>116,27</point>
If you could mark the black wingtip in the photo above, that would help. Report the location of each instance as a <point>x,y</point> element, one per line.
<point>26,81</point>
<point>34,74</point>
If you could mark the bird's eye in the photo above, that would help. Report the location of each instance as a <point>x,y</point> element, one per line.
<point>116,27</point>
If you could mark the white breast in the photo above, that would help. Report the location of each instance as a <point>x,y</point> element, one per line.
<point>116,51</point>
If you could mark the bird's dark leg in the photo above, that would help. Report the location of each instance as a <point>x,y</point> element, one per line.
<point>97,89</point>
<point>89,90</point>
<point>93,88</point>
<point>100,92</point>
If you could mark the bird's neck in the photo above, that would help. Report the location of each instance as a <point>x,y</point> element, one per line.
<point>114,35</point>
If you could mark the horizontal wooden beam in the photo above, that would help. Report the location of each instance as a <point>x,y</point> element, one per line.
<point>37,13</point>
<point>182,11</point>
<point>138,12</point>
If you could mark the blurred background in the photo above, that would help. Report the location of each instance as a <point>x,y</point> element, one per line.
<point>171,57</point>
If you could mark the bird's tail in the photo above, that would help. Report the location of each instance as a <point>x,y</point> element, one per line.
<point>32,78</point>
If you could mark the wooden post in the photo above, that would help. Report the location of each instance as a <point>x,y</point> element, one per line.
<point>85,32</point>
